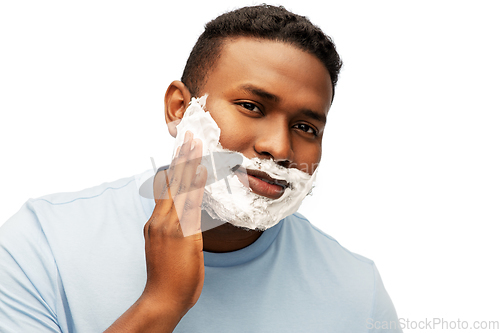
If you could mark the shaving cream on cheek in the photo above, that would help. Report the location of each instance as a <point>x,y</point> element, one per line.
<point>226,198</point>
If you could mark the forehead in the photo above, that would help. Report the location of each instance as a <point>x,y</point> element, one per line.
<point>274,66</point>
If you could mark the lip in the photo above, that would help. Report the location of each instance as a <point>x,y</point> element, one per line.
<point>261,183</point>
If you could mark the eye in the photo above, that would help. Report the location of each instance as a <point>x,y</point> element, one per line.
<point>307,129</point>
<point>250,107</point>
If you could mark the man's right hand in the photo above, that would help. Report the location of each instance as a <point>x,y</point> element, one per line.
<point>174,246</point>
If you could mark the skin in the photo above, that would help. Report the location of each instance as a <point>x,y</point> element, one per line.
<point>270,101</point>
<point>258,94</point>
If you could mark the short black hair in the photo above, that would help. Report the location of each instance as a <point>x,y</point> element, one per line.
<point>262,21</point>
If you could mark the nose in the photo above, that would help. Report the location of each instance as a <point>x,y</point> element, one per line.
<point>274,141</point>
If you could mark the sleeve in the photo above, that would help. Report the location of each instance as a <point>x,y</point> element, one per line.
<point>384,318</point>
<point>29,290</point>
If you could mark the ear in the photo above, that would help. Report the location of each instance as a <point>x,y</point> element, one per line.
<point>177,99</point>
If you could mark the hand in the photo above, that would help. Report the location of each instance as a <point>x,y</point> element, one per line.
<point>174,245</point>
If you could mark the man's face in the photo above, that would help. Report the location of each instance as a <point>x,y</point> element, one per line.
<point>270,101</point>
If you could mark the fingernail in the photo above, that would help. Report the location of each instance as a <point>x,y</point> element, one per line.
<point>198,169</point>
<point>193,144</point>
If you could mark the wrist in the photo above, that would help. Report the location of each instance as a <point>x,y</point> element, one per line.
<point>161,311</point>
<point>148,315</point>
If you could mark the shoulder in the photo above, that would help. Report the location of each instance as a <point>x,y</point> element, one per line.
<point>107,199</point>
<point>64,239</point>
<point>317,239</point>
<point>325,259</point>
<point>91,194</point>
<point>62,218</point>
<point>346,282</point>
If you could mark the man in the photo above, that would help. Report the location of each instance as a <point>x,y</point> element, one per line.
<point>76,261</point>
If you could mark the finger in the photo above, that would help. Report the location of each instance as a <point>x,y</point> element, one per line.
<point>174,159</point>
<point>146,232</point>
<point>191,216</point>
<point>176,170</point>
<point>188,176</point>
<point>191,165</point>
<point>162,187</point>
<point>161,194</point>
<point>161,226</point>
<point>180,179</point>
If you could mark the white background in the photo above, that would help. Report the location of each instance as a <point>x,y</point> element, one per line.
<point>410,172</point>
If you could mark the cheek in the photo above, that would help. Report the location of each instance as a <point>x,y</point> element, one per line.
<point>307,158</point>
<point>234,134</point>
<point>233,137</point>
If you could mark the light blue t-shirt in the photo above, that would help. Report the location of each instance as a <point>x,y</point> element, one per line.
<point>74,262</point>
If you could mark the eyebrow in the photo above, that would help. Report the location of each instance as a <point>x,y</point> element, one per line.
<point>260,92</point>
<point>314,115</point>
<point>271,97</point>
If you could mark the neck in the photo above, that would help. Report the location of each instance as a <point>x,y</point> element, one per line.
<point>225,237</point>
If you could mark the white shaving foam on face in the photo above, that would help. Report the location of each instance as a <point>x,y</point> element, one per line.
<point>225,197</point>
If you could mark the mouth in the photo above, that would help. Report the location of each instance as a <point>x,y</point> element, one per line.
<point>261,183</point>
